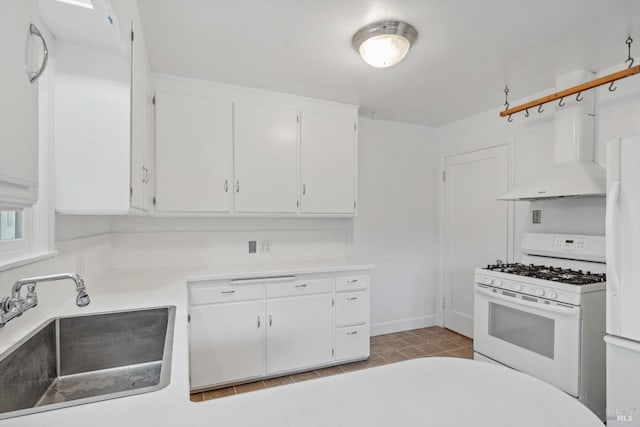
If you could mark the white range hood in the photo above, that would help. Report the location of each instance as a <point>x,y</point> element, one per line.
<point>575,174</point>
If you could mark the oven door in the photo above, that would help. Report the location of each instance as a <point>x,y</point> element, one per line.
<point>533,336</point>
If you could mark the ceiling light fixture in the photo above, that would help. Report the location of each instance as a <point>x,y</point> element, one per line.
<point>384,43</point>
<point>80,3</point>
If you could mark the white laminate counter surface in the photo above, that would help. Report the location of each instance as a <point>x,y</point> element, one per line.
<point>434,392</point>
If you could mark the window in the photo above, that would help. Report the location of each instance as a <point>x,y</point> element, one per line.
<point>11,225</point>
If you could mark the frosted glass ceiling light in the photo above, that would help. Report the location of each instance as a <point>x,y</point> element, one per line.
<point>384,43</point>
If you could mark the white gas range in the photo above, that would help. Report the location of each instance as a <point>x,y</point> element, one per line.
<point>546,315</point>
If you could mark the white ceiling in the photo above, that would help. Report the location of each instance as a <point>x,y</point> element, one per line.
<point>80,25</point>
<point>466,49</point>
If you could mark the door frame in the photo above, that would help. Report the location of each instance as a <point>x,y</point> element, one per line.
<point>441,198</point>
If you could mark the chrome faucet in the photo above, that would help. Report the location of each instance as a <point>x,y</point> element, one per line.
<point>15,305</point>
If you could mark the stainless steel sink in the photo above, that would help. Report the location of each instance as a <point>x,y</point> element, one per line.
<point>83,359</point>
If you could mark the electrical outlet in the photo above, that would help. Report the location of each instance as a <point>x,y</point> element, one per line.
<point>80,265</point>
<point>252,246</point>
<point>265,246</point>
<point>536,216</point>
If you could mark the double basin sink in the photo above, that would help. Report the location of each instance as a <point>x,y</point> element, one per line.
<point>82,359</point>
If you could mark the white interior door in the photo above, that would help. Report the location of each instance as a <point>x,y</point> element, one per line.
<point>328,162</point>
<point>265,159</point>
<point>194,152</point>
<point>475,227</point>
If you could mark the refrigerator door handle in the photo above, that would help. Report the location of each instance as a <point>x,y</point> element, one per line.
<point>611,247</point>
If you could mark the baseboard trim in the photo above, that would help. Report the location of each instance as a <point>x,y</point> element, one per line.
<point>403,324</point>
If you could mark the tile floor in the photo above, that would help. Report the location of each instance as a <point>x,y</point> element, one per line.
<point>385,349</point>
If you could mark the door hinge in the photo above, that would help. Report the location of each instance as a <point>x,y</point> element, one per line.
<point>154,200</point>
<point>354,205</point>
<point>333,352</point>
<point>297,119</point>
<point>333,302</point>
<point>188,318</point>
<point>132,35</point>
<point>297,203</point>
<point>153,100</point>
<point>355,126</point>
<point>130,191</point>
<point>443,303</point>
<point>444,176</point>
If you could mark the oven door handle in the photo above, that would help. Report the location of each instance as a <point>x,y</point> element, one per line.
<point>569,311</point>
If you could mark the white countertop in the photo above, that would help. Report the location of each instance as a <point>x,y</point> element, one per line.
<point>434,391</point>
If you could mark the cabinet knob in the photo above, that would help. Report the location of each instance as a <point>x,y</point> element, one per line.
<point>258,322</point>
<point>352,281</point>
<point>352,298</point>
<point>237,186</point>
<point>301,286</point>
<point>352,333</point>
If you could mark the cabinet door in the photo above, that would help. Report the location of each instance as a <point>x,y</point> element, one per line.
<point>226,343</point>
<point>139,70</point>
<point>18,105</point>
<point>266,159</point>
<point>194,150</point>
<point>299,332</point>
<point>328,145</point>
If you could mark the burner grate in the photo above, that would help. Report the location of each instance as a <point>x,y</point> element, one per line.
<point>554,274</point>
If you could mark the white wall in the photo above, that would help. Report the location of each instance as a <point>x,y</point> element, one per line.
<point>531,143</point>
<point>396,224</point>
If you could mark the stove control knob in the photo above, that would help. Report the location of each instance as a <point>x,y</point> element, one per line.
<point>488,280</point>
<point>540,292</point>
<point>553,294</point>
<point>497,282</point>
<point>518,286</point>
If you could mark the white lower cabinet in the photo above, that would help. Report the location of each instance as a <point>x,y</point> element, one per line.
<point>243,330</point>
<point>226,342</point>
<point>299,332</point>
<point>352,342</point>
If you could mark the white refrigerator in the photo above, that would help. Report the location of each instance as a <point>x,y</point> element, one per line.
<point>623,282</point>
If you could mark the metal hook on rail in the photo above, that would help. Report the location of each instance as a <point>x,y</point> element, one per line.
<point>579,97</point>
<point>561,103</point>
<point>629,59</point>
<point>509,119</point>
<point>540,109</point>
<point>526,112</point>
<point>611,87</point>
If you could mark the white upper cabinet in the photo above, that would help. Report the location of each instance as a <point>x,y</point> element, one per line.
<point>102,104</point>
<point>329,149</point>
<point>19,103</point>
<point>194,152</point>
<point>266,159</point>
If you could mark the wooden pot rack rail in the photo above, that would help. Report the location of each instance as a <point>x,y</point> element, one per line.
<point>608,79</point>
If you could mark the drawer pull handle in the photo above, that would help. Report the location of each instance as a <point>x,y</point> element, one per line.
<point>302,286</point>
<point>352,333</point>
<point>352,281</point>
<point>258,322</point>
<point>228,292</point>
<point>270,320</point>
<point>352,298</point>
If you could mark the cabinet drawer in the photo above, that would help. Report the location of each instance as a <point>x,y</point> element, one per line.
<point>299,287</point>
<point>352,308</point>
<point>216,294</point>
<point>352,283</point>
<point>352,342</point>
